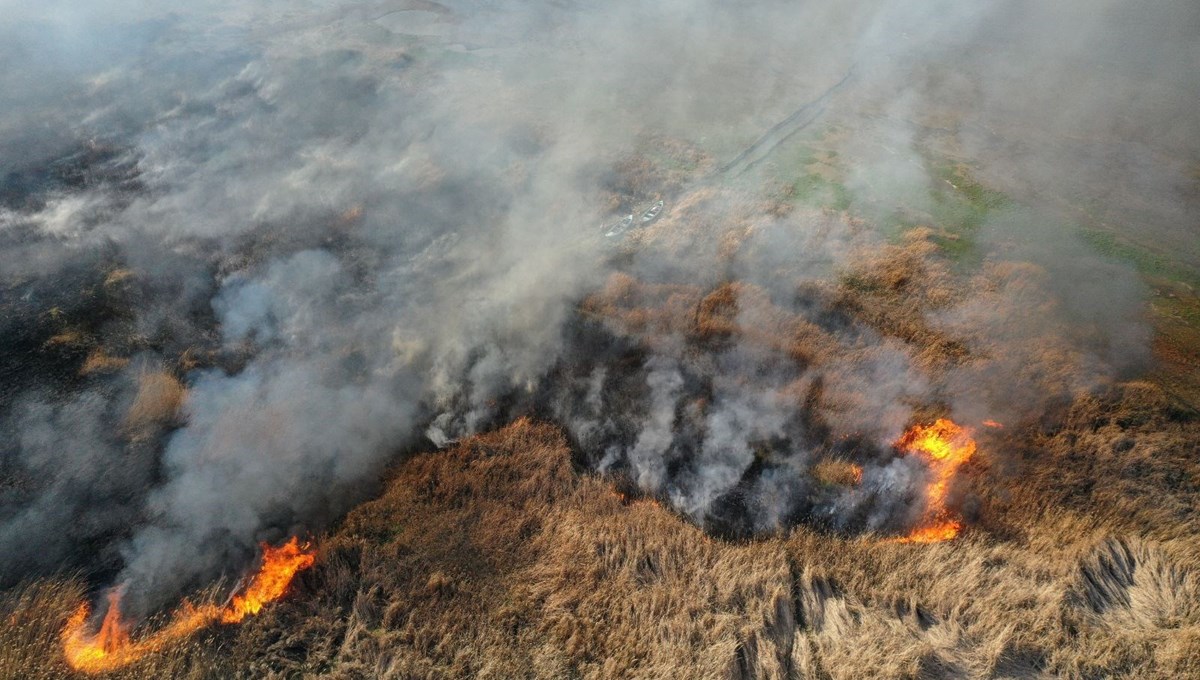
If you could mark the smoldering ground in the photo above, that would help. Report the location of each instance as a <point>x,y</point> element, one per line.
<point>351,230</point>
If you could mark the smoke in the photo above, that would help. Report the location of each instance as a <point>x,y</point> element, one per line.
<point>351,230</point>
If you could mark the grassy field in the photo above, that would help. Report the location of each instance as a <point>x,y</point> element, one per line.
<point>500,559</point>
<point>497,559</point>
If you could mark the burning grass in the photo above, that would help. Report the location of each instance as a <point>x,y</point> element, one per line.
<point>944,446</point>
<point>31,649</point>
<point>496,559</point>
<point>114,646</point>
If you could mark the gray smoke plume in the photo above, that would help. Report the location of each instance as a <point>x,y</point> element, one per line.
<point>344,231</point>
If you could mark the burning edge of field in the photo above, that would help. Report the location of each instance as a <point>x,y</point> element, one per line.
<point>113,645</point>
<point>943,446</point>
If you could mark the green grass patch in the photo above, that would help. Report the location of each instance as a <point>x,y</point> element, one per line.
<point>814,189</point>
<point>1181,309</point>
<point>665,160</point>
<point>960,203</point>
<point>963,251</point>
<point>1149,264</point>
<point>958,206</point>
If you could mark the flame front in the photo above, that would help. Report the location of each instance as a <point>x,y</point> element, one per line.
<point>112,647</point>
<point>279,567</point>
<point>944,446</point>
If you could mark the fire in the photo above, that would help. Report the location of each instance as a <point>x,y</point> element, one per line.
<point>944,446</point>
<point>933,533</point>
<point>856,473</point>
<point>112,647</point>
<point>110,644</point>
<point>279,567</point>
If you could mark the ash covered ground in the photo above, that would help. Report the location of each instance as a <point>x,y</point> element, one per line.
<point>581,339</point>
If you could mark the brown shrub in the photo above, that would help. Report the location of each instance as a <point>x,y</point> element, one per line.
<point>159,397</point>
<point>99,361</point>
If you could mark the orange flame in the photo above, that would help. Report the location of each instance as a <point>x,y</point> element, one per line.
<point>111,647</point>
<point>856,473</point>
<point>944,446</point>
<point>279,567</point>
<point>933,533</point>
<point>110,643</point>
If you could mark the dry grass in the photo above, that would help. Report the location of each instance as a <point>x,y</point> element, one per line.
<point>837,472</point>
<point>159,396</point>
<point>69,337</point>
<point>99,361</point>
<point>496,559</point>
<point>33,616</point>
<point>662,165</point>
<point>30,647</point>
<point>118,276</point>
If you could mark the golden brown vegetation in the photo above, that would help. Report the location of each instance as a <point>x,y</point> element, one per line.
<point>662,165</point>
<point>496,559</point>
<point>72,337</point>
<point>30,648</point>
<point>159,396</point>
<point>838,472</point>
<point>99,361</point>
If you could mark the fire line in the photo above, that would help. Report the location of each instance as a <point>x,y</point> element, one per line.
<point>112,646</point>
